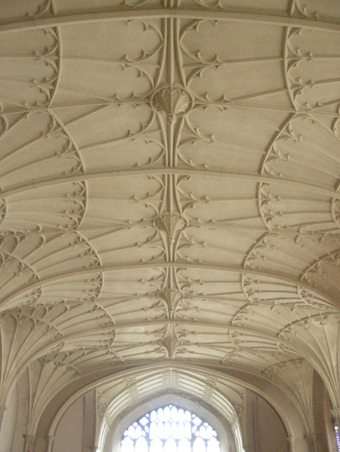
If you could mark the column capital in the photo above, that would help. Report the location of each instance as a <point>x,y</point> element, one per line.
<point>50,439</point>
<point>291,440</point>
<point>29,442</point>
<point>29,437</point>
<point>305,443</point>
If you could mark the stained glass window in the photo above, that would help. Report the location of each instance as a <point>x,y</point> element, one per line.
<point>170,429</point>
<point>337,436</point>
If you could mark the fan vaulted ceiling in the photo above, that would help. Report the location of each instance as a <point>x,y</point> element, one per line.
<point>169,187</point>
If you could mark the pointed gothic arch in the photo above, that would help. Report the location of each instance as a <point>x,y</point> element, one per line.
<point>170,427</point>
<point>226,433</point>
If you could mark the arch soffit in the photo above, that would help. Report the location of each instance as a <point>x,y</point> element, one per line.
<point>288,412</point>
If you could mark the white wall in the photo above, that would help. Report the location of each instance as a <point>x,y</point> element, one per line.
<point>69,435</point>
<point>76,429</point>
<point>263,428</point>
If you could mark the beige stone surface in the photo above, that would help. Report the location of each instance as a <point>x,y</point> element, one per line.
<point>169,178</point>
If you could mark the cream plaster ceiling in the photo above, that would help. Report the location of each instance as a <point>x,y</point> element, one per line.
<point>169,184</point>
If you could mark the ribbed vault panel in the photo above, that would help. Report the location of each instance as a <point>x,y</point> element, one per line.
<point>169,185</point>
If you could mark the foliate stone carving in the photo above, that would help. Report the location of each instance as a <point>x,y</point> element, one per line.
<point>272,371</point>
<point>170,342</point>
<point>292,329</point>
<point>40,10</point>
<point>102,317</point>
<point>171,224</point>
<point>298,8</point>
<point>171,299</point>
<point>33,296</point>
<point>34,88</point>
<point>315,272</point>
<point>76,199</point>
<point>312,300</point>
<point>173,101</point>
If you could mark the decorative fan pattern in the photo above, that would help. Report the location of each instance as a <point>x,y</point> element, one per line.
<point>169,182</point>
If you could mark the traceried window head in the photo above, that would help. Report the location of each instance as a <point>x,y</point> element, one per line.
<point>170,429</point>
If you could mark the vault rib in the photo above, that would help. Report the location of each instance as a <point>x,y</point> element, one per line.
<point>177,171</point>
<point>185,265</point>
<point>229,16</point>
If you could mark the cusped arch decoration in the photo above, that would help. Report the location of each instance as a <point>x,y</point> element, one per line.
<point>170,428</point>
<point>139,394</point>
<point>111,433</point>
<point>123,397</point>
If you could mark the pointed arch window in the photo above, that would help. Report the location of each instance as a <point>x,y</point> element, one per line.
<point>337,435</point>
<point>170,429</point>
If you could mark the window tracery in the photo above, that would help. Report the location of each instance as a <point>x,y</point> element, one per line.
<point>170,429</point>
<point>337,435</point>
